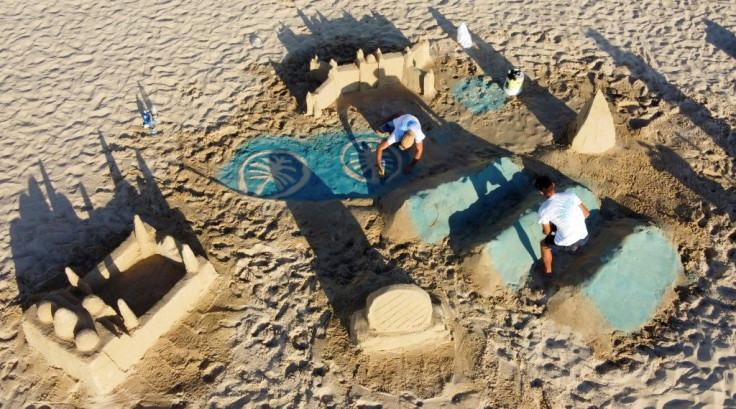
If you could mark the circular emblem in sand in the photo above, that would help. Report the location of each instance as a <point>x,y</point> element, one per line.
<point>399,308</point>
<point>273,174</point>
<point>359,160</point>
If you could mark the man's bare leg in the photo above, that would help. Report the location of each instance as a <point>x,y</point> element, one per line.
<point>546,257</point>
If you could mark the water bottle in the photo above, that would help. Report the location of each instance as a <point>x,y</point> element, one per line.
<point>382,172</point>
<point>154,111</point>
<point>147,121</point>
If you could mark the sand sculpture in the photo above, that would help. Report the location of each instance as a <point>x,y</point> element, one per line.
<point>101,326</point>
<point>412,68</point>
<point>398,317</point>
<point>593,131</point>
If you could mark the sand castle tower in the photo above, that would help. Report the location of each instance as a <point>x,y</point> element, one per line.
<point>593,131</point>
<point>100,327</point>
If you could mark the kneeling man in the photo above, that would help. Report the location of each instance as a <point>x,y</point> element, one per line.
<point>564,214</point>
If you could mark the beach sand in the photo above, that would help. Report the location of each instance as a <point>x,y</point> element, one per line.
<point>76,166</point>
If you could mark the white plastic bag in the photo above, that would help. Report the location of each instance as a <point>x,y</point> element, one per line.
<point>463,36</point>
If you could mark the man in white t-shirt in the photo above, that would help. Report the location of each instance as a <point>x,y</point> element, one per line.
<point>562,213</point>
<point>405,130</point>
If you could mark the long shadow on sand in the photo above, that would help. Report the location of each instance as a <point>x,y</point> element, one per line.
<point>346,265</point>
<point>720,37</point>
<point>49,235</point>
<point>664,158</point>
<point>552,113</point>
<point>337,39</point>
<point>698,114</point>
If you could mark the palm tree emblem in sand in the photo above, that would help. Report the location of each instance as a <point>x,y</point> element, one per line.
<point>273,174</point>
<point>359,160</point>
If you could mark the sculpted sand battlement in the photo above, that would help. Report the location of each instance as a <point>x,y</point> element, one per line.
<point>412,68</point>
<point>98,329</point>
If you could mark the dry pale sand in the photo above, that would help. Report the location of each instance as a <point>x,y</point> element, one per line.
<point>75,166</point>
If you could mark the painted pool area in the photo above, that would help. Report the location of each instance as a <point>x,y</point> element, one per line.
<point>323,167</point>
<point>514,249</point>
<point>629,286</point>
<point>454,206</point>
<point>479,94</point>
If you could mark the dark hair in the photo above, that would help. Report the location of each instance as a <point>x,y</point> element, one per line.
<point>544,184</point>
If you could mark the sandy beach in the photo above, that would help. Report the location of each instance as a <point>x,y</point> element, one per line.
<point>229,81</point>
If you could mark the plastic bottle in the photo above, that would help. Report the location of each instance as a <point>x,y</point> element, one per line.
<point>382,171</point>
<point>147,121</point>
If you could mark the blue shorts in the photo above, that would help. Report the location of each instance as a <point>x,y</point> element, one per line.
<point>550,241</point>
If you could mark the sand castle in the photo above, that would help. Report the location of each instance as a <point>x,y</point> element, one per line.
<point>98,329</point>
<point>412,68</point>
<point>398,317</point>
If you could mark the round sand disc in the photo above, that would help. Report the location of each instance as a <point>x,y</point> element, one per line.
<point>64,322</point>
<point>86,339</point>
<point>399,308</point>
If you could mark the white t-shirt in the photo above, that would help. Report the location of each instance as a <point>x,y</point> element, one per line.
<point>563,209</point>
<point>403,124</point>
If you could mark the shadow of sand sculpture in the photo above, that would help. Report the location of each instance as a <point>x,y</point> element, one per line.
<point>720,37</point>
<point>345,263</point>
<point>552,113</point>
<point>337,39</point>
<point>49,235</point>
<point>718,130</point>
<point>664,158</point>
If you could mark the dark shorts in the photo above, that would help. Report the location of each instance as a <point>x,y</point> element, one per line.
<point>550,241</point>
<point>387,127</point>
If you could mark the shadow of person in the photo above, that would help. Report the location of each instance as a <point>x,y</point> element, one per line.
<point>337,39</point>
<point>552,113</point>
<point>345,263</point>
<point>720,37</point>
<point>49,236</point>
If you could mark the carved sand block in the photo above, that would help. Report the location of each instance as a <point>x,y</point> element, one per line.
<point>398,317</point>
<point>412,68</point>
<point>101,326</point>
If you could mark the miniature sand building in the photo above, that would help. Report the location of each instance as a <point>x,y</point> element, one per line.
<point>398,317</point>
<point>593,131</point>
<point>98,329</point>
<point>412,68</point>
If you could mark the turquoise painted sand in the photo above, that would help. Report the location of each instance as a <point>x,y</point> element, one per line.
<point>515,249</point>
<point>454,206</point>
<point>629,287</point>
<point>479,94</point>
<point>327,166</point>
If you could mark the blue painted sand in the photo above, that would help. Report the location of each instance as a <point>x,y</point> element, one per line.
<point>327,166</point>
<point>629,287</point>
<point>453,205</point>
<point>479,94</point>
<point>515,248</point>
